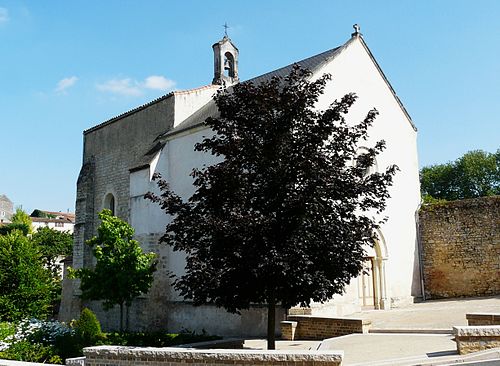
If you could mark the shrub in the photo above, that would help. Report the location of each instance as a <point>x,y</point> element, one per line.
<point>154,339</point>
<point>6,329</point>
<point>36,341</point>
<point>88,327</point>
<point>31,352</point>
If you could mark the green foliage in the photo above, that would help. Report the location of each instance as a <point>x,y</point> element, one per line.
<point>6,329</point>
<point>31,352</point>
<point>42,214</point>
<point>21,217</point>
<point>475,174</point>
<point>285,216</point>
<point>36,341</point>
<point>26,287</point>
<point>52,341</point>
<point>24,228</point>
<point>122,271</point>
<point>53,244</point>
<point>154,339</point>
<point>88,327</point>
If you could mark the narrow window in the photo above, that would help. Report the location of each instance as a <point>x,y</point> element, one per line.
<point>109,203</point>
<point>229,65</point>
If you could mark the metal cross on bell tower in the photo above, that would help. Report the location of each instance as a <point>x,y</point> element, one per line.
<point>226,27</point>
<point>357,29</point>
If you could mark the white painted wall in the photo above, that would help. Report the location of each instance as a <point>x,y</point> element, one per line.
<point>354,71</point>
<point>189,101</point>
<point>63,226</point>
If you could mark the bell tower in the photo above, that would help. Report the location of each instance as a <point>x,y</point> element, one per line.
<point>225,62</point>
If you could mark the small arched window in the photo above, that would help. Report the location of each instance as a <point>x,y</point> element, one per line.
<point>109,203</point>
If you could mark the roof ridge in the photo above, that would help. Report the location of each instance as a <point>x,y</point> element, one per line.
<point>186,91</point>
<point>313,63</point>
<point>331,53</point>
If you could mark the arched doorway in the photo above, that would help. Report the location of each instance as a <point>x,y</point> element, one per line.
<point>372,290</point>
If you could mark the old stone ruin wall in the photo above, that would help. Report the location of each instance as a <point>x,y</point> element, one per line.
<point>461,248</point>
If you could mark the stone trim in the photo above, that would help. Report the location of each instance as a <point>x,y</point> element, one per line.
<point>476,338</point>
<point>299,311</point>
<point>126,356</point>
<point>306,327</point>
<point>77,361</point>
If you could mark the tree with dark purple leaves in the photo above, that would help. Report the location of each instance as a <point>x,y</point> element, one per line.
<point>285,215</point>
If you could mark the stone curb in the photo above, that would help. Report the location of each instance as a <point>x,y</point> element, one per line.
<point>412,331</point>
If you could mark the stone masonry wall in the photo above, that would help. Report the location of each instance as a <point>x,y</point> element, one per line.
<point>476,338</point>
<point>110,151</point>
<point>474,319</point>
<point>461,248</point>
<point>319,328</point>
<point>128,356</point>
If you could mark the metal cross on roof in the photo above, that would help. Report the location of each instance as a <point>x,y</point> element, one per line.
<point>225,29</point>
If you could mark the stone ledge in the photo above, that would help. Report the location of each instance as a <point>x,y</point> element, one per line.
<point>476,338</point>
<point>477,331</point>
<point>123,355</point>
<point>77,361</point>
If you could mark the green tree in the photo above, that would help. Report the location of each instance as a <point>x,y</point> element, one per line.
<point>475,174</point>
<point>283,218</point>
<point>122,271</point>
<point>24,228</point>
<point>53,244</point>
<point>26,287</point>
<point>21,217</point>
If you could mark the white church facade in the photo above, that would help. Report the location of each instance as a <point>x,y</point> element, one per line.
<point>122,154</point>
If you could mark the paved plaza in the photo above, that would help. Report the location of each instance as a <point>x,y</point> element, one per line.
<point>434,314</point>
<point>414,335</point>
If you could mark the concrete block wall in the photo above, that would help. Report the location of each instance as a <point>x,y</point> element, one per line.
<point>461,248</point>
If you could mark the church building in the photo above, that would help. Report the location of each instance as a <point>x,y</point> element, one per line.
<point>121,155</point>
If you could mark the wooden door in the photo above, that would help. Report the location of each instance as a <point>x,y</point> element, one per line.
<point>366,285</point>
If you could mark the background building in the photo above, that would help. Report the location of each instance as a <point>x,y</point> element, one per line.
<point>59,221</point>
<point>6,209</point>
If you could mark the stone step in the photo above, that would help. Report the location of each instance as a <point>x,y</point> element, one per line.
<point>411,331</point>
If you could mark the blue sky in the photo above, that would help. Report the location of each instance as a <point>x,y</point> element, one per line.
<point>69,65</point>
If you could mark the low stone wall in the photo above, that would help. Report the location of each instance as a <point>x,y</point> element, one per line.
<point>478,338</point>
<point>483,319</point>
<point>461,248</point>
<point>308,327</point>
<point>129,356</point>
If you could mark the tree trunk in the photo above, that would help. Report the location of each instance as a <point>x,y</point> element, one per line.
<point>271,320</point>
<point>121,317</point>
<point>127,318</point>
